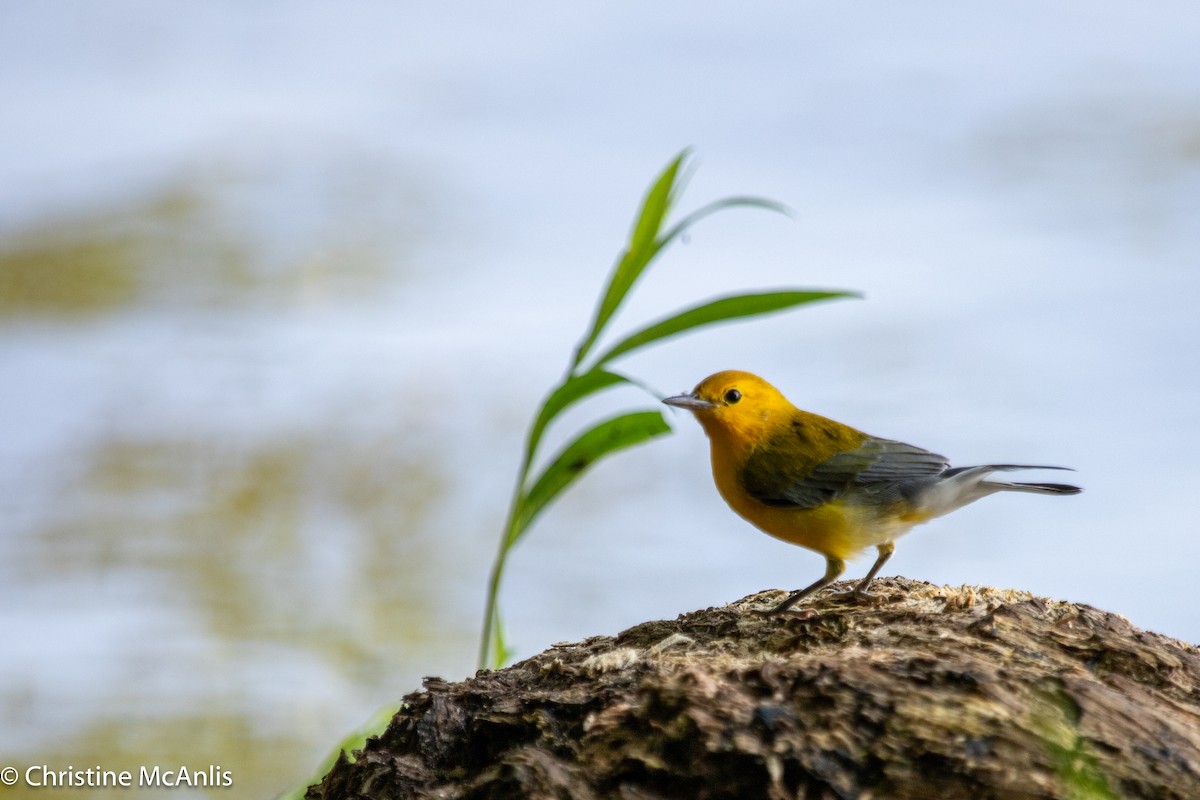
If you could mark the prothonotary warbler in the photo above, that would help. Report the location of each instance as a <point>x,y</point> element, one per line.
<point>823,485</point>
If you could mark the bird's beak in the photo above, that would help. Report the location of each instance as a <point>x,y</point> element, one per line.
<point>690,402</point>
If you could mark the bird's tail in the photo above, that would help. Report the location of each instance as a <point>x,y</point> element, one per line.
<point>957,487</point>
<point>1036,488</point>
<point>968,473</point>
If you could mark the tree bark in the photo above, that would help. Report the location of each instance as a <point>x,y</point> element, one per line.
<point>931,692</point>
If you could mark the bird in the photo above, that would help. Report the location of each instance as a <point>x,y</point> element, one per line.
<point>826,486</point>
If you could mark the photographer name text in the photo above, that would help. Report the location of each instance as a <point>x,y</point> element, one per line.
<point>174,776</point>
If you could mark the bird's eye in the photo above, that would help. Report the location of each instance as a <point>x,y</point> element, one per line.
<point>732,396</point>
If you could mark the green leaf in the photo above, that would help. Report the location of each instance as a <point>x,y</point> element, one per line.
<point>729,202</point>
<point>572,390</point>
<point>357,740</point>
<point>656,206</point>
<point>721,310</point>
<point>605,438</point>
<point>643,246</point>
<point>576,387</point>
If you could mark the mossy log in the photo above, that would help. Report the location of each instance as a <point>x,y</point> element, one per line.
<point>931,692</point>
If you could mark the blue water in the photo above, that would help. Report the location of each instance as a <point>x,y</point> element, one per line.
<point>415,209</point>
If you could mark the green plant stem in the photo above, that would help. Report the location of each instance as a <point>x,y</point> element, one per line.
<point>489,613</point>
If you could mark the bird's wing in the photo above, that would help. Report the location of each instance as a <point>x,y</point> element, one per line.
<point>880,465</point>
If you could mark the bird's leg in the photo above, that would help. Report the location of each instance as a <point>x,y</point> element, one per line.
<point>885,552</point>
<point>833,568</point>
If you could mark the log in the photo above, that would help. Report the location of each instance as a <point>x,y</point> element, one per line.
<point>929,692</point>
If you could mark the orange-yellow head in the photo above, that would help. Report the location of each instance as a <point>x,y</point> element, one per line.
<point>737,408</point>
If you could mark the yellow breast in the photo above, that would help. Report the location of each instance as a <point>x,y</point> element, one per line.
<point>832,529</point>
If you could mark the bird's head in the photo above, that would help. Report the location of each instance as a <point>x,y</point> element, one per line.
<point>734,404</point>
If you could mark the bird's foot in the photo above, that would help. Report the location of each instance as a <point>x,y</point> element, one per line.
<point>775,609</point>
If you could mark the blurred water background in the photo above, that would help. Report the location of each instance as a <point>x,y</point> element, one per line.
<point>280,284</point>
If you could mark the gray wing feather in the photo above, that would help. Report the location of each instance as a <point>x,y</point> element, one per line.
<point>886,468</point>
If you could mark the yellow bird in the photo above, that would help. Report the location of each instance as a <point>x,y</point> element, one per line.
<point>823,485</point>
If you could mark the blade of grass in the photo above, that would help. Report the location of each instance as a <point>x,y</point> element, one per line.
<point>603,439</point>
<point>723,309</point>
<point>640,252</point>
<point>658,204</point>
<point>573,389</point>
<point>691,219</point>
<point>635,260</point>
<point>570,391</point>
